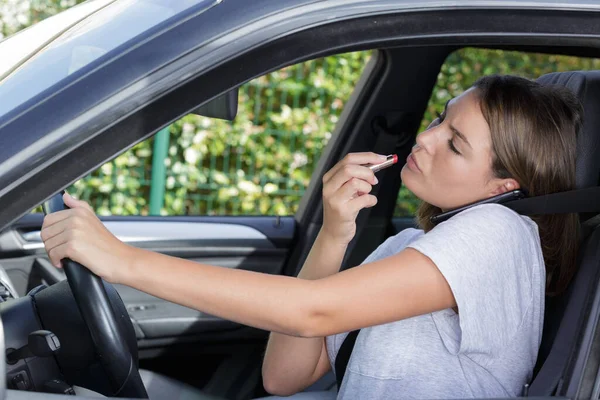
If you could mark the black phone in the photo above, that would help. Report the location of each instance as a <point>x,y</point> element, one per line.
<point>500,199</point>
<point>54,203</point>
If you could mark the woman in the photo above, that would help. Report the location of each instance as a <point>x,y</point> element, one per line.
<point>451,311</point>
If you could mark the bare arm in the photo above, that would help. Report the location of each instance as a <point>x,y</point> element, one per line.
<point>401,286</point>
<point>291,363</point>
<point>390,289</point>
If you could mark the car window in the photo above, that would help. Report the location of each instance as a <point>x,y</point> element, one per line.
<point>462,68</point>
<point>27,42</point>
<point>259,164</point>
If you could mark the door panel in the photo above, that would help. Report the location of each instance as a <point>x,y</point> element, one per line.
<point>250,243</point>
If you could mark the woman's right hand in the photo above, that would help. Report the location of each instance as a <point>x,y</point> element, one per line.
<point>346,189</point>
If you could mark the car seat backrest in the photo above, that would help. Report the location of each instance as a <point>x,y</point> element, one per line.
<point>564,314</point>
<point>586,85</point>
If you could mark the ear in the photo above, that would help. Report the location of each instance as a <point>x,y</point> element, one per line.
<point>503,186</point>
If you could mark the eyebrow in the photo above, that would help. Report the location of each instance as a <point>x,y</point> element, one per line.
<point>456,131</point>
<point>460,135</point>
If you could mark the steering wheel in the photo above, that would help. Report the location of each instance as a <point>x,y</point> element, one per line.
<point>95,308</point>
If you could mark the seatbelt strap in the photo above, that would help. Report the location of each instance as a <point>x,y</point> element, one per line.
<point>585,200</point>
<point>343,356</point>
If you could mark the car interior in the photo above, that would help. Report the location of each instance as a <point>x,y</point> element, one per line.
<point>383,114</point>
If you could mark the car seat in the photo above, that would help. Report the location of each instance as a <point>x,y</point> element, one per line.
<point>565,314</point>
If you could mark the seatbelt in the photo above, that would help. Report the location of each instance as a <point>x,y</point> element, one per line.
<point>343,356</point>
<point>573,201</point>
<point>585,200</point>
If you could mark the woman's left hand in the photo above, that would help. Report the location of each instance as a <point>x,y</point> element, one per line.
<point>78,234</point>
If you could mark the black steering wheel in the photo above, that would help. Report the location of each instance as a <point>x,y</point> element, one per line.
<point>95,308</point>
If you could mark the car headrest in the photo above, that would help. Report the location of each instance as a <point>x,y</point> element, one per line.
<point>586,85</point>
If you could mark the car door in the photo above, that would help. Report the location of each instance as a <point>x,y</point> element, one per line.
<point>211,191</point>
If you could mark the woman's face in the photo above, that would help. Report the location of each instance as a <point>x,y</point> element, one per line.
<point>450,166</point>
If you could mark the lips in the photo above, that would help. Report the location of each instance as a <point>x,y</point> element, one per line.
<point>412,162</point>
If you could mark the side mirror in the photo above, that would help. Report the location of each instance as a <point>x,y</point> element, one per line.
<point>222,107</point>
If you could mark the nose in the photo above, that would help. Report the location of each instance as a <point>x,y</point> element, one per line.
<point>427,140</point>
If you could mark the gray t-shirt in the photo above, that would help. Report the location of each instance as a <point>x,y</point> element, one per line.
<point>493,262</point>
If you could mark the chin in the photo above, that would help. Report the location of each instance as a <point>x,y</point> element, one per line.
<point>409,182</point>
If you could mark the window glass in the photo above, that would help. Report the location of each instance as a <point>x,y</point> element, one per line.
<point>60,45</point>
<point>259,164</point>
<point>463,67</point>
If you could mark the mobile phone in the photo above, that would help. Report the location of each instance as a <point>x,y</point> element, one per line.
<point>500,199</point>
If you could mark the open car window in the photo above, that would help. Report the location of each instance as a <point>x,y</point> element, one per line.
<point>259,164</point>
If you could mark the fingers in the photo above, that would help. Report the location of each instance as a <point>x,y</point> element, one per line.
<point>343,200</point>
<point>58,231</point>
<point>49,231</point>
<point>72,202</point>
<point>353,188</point>
<point>58,234</point>
<point>56,247</point>
<point>347,173</point>
<point>351,180</point>
<point>364,201</point>
<point>58,253</point>
<point>59,217</point>
<point>76,207</point>
<point>354,159</point>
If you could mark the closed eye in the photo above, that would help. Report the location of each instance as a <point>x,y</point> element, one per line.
<point>451,146</point>
<point>440,119</point>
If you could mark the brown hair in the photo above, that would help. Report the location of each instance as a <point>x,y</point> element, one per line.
<point>533,129</point>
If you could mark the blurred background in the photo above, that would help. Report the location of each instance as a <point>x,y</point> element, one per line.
<point>261,163</point>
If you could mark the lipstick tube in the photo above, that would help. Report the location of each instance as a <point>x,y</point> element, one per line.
<point>391,160</point>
